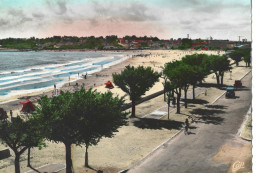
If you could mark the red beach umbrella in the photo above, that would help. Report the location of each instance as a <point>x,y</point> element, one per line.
<point>27,106</point>
<point>109,85</point>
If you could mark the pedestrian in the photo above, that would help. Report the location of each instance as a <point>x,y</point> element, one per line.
<point>186,126</point>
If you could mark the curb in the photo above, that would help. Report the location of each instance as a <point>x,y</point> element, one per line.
<point>243,124</point>
<point>156,148</point>
<point>218,97</point>
<point>245,75</point>
<point>226,91</point>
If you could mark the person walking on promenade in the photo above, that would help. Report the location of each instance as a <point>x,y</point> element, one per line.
<point>186,126</point>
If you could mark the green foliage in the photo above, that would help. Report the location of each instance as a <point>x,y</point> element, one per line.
<point>161,45</point>
<point>247,56</point>
<point>136,81</point>
<point>83,117</point>
<point>18,43</point>
<point>218,63</point>
<point>20,135</point>
<point>144,44</point>
<point>213,48</point>
<point>185,44</point>
<point>111,39</point>
<point>178,73</point>
<point>196,65</point>
<point>236,55</point>
<point>127,37</point>
<point>49,47</point>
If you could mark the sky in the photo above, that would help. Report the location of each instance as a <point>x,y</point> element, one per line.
<point>220,19</point>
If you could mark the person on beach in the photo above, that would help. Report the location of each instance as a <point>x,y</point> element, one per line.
<point>186,126</point>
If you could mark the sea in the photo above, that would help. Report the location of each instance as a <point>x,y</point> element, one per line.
<point>26,72</point>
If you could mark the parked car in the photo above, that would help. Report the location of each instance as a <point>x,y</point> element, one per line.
<point>237,83</point>
<point>230,92</point>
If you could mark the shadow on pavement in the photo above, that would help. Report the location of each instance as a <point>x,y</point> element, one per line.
<point>217,106</point>
<point>214,85</point>
<point>207,116</point>
<point>146,123</point>
<point>191,133</point>
<point>33,169</point>
<point>196,101</point>
<point>192,127</point>
<point>92,168</point>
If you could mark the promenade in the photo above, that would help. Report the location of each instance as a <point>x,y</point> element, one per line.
<point>205,148</point>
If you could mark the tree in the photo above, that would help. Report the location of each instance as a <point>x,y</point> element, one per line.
<point>173,70</point>
<point>218,65</point>
<point>135,82</point>
<point>247,56</point>
<point>20,135</point>
<point>102,116</point>
<point>80,118</point>
<point>236,56</point>
<point>199,72</point>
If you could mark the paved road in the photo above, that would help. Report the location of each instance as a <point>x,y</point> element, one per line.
<point>192,153</point>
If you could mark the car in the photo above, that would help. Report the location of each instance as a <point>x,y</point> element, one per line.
<point>237,83</point>
<point>230,92</point>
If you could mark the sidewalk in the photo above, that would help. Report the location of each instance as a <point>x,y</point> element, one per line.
<point>162,111</point>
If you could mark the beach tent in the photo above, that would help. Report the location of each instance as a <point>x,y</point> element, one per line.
<point>27,106</point>
<point>109,85</point>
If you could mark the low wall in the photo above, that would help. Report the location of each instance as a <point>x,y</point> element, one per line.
<point>4,153</point>
<point>129,105</point>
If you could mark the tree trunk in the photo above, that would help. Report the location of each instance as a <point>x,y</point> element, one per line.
<point>237,63</point>
<point>185,97</point>
<point>69,167</point>
<point>17,163</point>
<point>133,109</point>
<point>28,157</point>
<point>86,157</point>
<point>222,77</point>
<point>217,77</point>
<point>164,94</point>
<point>193,92</point>
<point>178,101</point>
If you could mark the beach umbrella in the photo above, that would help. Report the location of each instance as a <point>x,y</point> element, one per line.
<point>109,85</point>
<point>27,106</point>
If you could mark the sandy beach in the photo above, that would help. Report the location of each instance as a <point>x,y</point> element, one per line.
<point>156,60</point>
<point>132,142</point>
